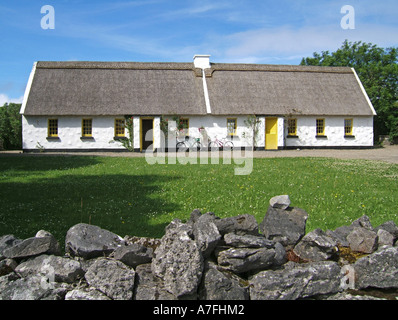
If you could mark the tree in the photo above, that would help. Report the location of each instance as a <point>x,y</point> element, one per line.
<point>253,124</point>
<point>378,71</point>
<point>11,126</point>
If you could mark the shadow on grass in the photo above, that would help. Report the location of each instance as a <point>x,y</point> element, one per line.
<point>124,204</point>
<point>21,163</point>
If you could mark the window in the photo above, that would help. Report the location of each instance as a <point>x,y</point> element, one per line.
<point>87,127</point>
<point>231,126</point>
<point>52,129</point>
<point>292,127</point>
<point>119,127</point>
<point>348,123</point>
<point>320,127</point>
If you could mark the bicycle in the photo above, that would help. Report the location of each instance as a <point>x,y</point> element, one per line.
<point>222,144</point>
<point>190,143</point>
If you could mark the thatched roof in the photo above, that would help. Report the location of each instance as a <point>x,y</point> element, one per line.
<point>131,88</point>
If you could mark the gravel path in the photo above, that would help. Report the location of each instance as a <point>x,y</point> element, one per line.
<point>388,153</point>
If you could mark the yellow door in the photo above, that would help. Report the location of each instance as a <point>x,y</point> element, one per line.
<point>271,133</point>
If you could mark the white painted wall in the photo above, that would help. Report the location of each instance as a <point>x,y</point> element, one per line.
<point>334,130</point>
<point>136,130</point>
<point>260,141</point>
<point>216,127</point>
<point>34,131</point>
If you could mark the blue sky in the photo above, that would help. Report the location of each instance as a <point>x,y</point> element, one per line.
<point>260,31</point>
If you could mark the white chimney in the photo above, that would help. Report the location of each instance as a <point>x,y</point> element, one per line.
<point>201,61</point>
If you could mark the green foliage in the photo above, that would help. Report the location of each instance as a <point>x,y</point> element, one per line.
<point>378,71</point>
<point>10,126</point>
<point>181,125</point>
<point>129,142</point>
<point>164,126</point>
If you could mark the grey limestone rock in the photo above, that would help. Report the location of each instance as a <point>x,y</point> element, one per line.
<point>133,254</point>
<point>85,294</point>
<point>362,240</point>
<point>206,234</point>
<point>8,241</point>
<point>149,287</point>
<point>296,281</point>
<point>221,285</point>
<point>242,224</point>
<point>33,247</point>
<point>316,246</point>
<point>247,241</point>
<point>390,227</point>
<point>362,222</point>
<point>178,261</point>
<point>88,241</point>
<point>280,202</point>
<point>59,269</point>
<point>378,270</point>
<point>284,226</point>
<point>385,238</point>
<point>340,234</point>
<point>242,260</point>
<point>34,287</point>
<point>111,277</point>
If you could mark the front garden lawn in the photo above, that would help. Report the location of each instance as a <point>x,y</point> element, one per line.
<point>130,197</point>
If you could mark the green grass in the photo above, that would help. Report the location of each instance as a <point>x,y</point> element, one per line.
<point>130,197</point>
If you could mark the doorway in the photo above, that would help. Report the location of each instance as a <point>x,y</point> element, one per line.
<point>271,133</point>
<point>146,125</point>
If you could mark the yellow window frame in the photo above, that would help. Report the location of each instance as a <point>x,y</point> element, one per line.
<point>292,127</point>
<point>120,127</point>
<point>348,125</point>
<point>320,126</point>
<point>52,128</point>
<point>87,127</point>
<point>233,121</point>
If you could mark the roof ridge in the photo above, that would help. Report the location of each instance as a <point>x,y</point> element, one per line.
<point>277,68</point>
<point>114,65</point>
<point>120,65</point>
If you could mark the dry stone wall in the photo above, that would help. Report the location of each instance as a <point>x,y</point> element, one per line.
<point>206,258</point>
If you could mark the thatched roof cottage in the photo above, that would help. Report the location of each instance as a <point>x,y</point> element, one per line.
<point>84,105</point>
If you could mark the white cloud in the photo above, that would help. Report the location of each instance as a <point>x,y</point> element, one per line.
<point>187,11</point>
<point>288,44</point>
<point>5,99</point>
